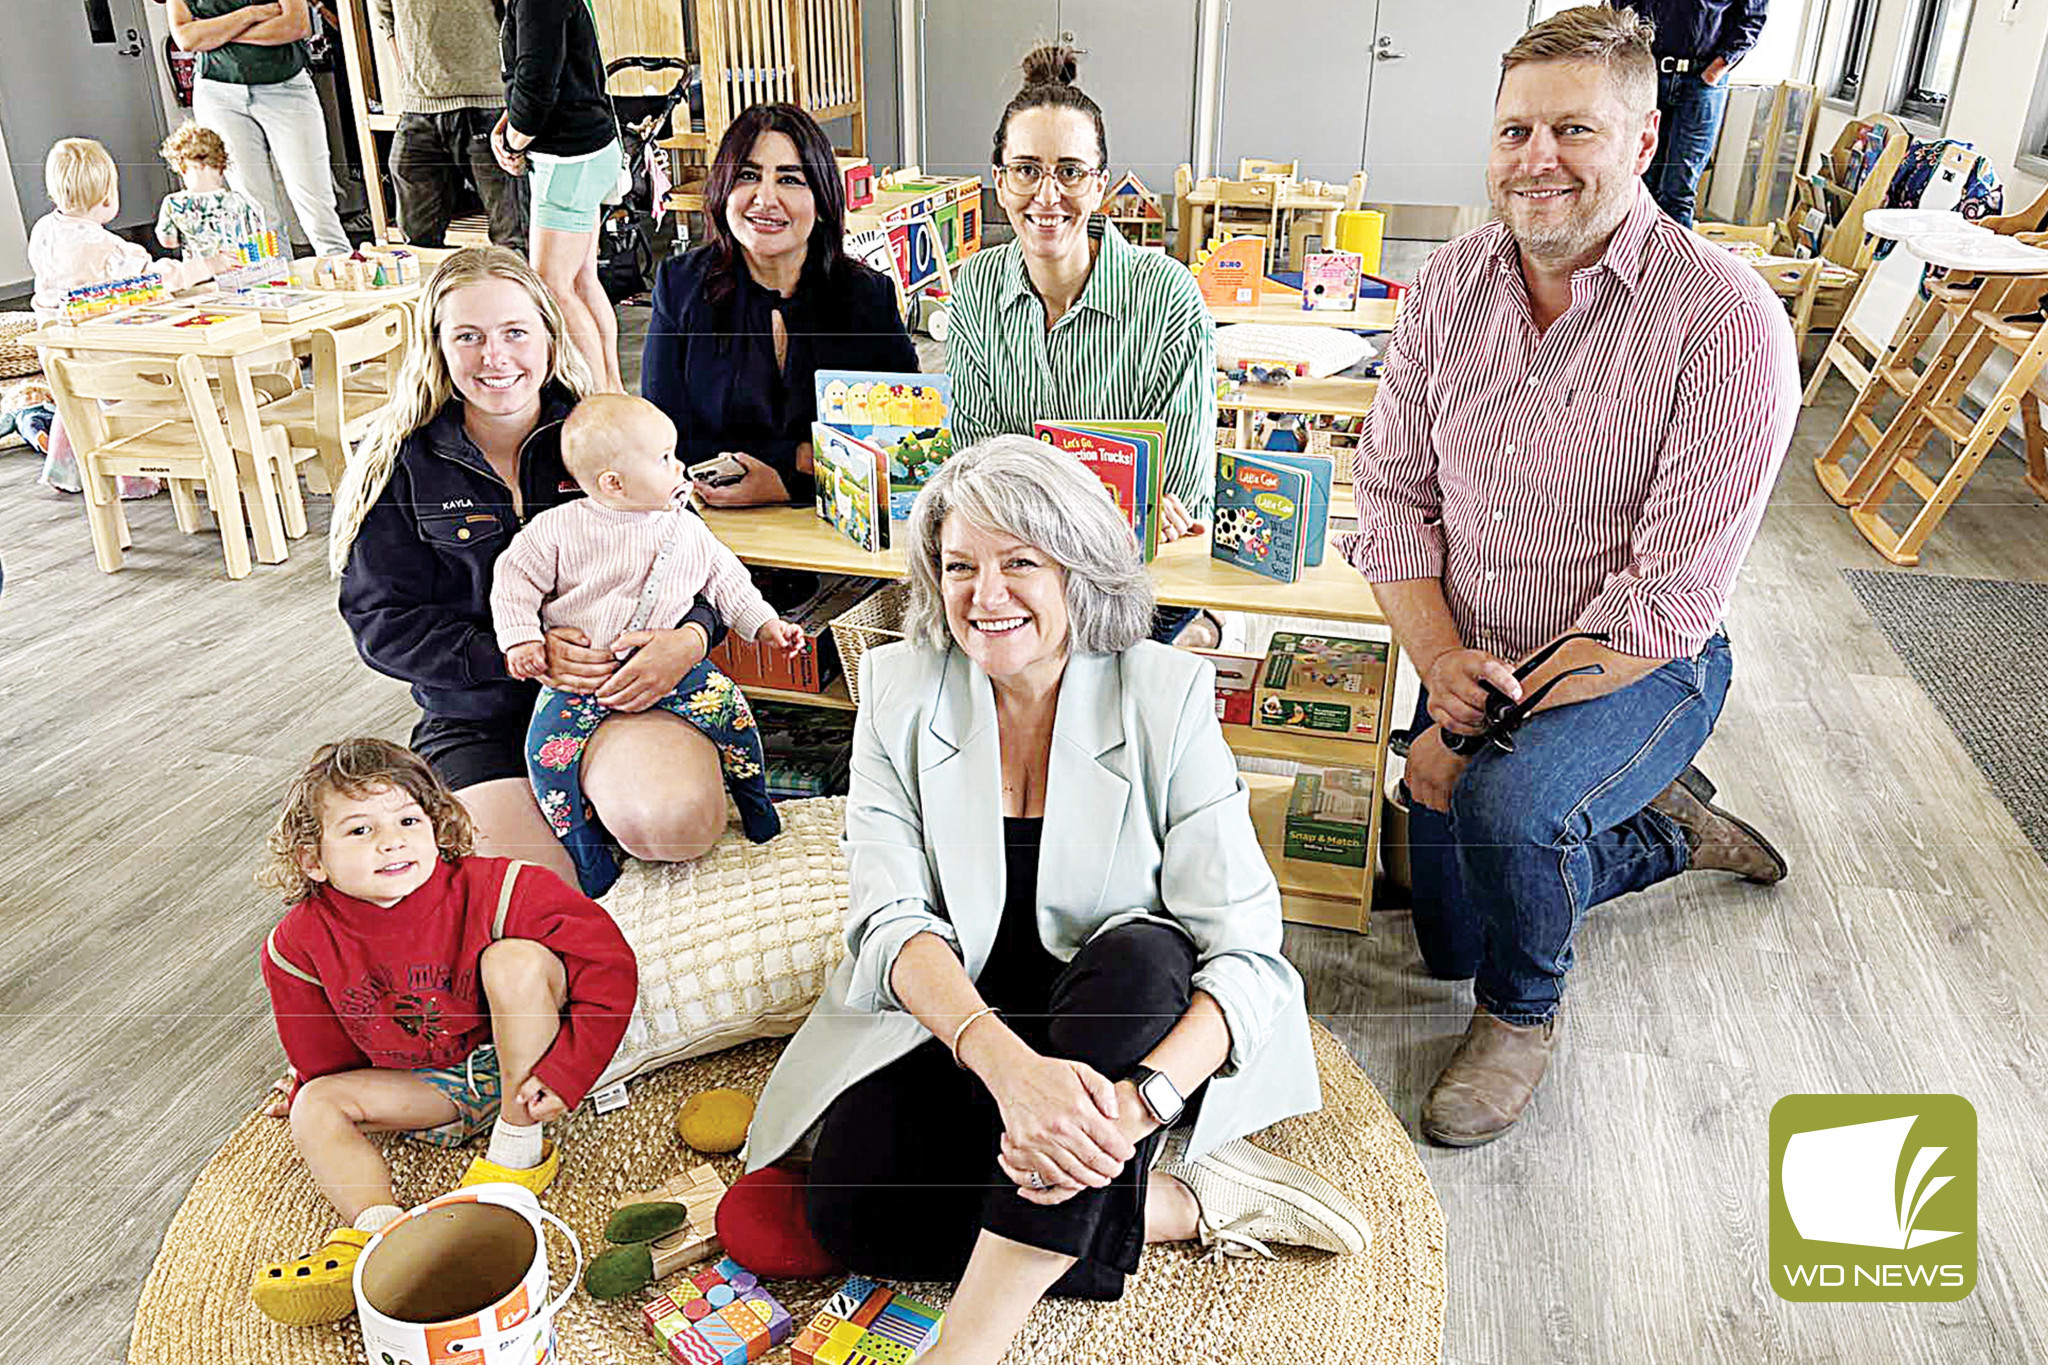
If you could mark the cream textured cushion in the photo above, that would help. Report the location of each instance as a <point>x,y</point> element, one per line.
<point>1326,350</point>
<point>733,946</point>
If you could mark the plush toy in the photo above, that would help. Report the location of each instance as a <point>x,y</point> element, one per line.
<point>715,1121</point>
<point>761,1223</point>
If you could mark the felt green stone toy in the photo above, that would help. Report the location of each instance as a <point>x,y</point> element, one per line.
<point>645,1222</point>
<point>715,1120</point>
<point>616,1272</point>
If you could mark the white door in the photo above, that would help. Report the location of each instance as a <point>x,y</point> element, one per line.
<point>82,70</point>
<point>1434,70</point>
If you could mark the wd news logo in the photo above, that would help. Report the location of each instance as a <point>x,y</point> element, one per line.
<point>1873,1198</point>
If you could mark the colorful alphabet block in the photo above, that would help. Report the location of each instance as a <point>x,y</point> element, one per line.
<point>865,1323</point>
<point>719,1316</point>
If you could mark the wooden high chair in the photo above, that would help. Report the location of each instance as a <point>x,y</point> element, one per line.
<point>1797,283</point>
<point>167,427</point>
<point>2003,314</point>
<point>352,364</point>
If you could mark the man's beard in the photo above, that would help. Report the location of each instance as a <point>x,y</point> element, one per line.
<point>1567,238</point>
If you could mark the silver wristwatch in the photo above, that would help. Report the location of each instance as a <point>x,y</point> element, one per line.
<point>1161,1096</point>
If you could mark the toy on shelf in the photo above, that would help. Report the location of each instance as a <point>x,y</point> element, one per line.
<point>868,1323</point>
<point>1136,211</point>
<point>718,1316</point>
<point>110,296</point>
<point>858,174</point>
<point>1232,274</point>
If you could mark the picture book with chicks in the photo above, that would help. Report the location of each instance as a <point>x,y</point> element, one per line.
<point>907,416</point>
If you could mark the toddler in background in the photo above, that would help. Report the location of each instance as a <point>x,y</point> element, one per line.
<point>629,554</point>
<point>206,218</point>
<point>70,247</point>
<point>420,989</point>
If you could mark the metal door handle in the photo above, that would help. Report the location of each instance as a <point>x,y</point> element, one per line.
<point>134,48</point>
<point>1383,51</point>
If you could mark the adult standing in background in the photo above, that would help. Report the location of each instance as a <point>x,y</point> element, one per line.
<point>1698,43</point>
<point>254,90</point>
<point>559,118</point>
<point>449,93</point>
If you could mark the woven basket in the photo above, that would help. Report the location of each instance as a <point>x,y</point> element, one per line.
<point>874,620</point>
<point>18,345</point>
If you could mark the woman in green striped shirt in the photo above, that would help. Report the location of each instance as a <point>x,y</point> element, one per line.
<point>1070,322</point>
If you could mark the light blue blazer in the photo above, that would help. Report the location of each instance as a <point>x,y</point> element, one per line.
<point>1145,818</point>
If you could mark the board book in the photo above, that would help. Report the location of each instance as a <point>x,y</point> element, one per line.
<point>853,486</point>
<point>1321,469</point>
<point>907,416</point>
<point>1128,457</point>
<point>1261,515</point>
<point>1330,279</point>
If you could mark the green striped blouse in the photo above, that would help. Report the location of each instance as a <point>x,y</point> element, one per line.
<point>1137,345</point>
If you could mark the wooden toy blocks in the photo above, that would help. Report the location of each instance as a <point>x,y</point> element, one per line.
<point>698,1189</point>
<point>866,1323</point>
<point>718,1316</point>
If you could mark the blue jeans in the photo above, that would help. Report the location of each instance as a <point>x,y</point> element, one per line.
<point>1691,120</point>
<point>1536,838</point>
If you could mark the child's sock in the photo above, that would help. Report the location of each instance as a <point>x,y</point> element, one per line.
<point>376,1217</point>
<point>514,1147</point>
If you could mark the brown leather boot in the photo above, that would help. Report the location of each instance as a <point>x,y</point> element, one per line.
<point>1718,841</point>
<point>1489,1082</point>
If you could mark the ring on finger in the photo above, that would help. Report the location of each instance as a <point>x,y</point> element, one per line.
<point>1037,1181</point>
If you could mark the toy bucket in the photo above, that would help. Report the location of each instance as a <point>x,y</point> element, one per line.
<point>463,1280</point>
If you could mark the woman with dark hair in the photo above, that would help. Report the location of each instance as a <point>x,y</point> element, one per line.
<point>742,324</point>
<point>1070,322</point>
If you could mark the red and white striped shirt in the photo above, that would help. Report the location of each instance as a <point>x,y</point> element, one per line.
<point>1607,475</point>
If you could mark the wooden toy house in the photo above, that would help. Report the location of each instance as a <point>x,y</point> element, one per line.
<point>1136,211</point>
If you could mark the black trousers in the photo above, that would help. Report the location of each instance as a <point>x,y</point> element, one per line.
<point>905,1178</point>
<point>429,156</point>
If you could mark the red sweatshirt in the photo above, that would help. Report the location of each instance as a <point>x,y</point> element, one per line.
<point>355,985</point>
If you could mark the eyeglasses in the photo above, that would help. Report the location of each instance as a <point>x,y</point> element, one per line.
<point>1024,177</point>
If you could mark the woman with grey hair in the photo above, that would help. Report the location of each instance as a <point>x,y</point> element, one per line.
<point>1063,940</point>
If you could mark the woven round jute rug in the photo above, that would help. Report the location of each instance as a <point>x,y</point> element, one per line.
<point>255,1203</point>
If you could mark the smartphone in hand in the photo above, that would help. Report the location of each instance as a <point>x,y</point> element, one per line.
<point>721,471</point>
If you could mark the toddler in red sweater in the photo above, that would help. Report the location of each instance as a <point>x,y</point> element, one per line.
<point>420,989</point>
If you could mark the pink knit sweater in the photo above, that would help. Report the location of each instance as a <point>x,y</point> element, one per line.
<point>582,564</point>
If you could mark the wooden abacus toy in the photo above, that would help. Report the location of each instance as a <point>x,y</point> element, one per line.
<point>110,296</point>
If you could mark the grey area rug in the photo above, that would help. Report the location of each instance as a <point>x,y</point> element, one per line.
<point>1976,647</point>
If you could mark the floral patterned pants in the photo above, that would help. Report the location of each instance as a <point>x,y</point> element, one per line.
<point>563,723</point>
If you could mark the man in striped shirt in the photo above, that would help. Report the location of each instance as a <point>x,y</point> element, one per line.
<point>1584,410</point>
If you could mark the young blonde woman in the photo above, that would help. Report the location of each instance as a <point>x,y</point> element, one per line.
<point>470,450</point>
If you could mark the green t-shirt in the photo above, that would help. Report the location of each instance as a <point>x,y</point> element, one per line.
<point>245,63</point>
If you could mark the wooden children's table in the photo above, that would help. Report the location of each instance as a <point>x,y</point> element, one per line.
<point>1290,197</point>
<point>234,360</point>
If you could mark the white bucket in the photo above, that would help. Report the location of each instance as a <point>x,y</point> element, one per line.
<point>463,1280</point>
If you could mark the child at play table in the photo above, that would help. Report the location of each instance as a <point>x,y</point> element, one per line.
<point>206,218</point>
<point>630,552</point>
<point>420,989</point>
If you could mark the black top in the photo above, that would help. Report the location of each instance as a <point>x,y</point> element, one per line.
<point>712,369</point>
<point>1704,29</point>
<point>417,589</point>
<point>1020,972</point>
<point>554,76</point>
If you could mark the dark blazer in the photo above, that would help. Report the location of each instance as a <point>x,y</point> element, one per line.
<point>417,589</point>
<point>711,368</point>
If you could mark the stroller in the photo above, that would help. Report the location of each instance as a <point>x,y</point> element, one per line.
<point>628,238</point>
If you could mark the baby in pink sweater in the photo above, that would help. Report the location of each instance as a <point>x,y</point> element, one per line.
<point>630,556</point>
<point>595,563</point>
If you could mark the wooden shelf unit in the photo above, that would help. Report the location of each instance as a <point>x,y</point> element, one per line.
<point>1183,575</point>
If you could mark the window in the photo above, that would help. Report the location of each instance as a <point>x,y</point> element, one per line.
<point>1846,30</point>
<point>1932,55</point>
<point>2033,148</point>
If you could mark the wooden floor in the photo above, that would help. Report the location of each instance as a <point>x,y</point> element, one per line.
<point>148,720</point>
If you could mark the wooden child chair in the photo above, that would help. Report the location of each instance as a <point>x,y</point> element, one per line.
<point>1265,168</point>
<point>352,364</point>
<point>2002,314</point>
<point>167,428</point>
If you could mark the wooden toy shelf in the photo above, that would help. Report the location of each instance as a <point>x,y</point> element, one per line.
<point>1184,575</point>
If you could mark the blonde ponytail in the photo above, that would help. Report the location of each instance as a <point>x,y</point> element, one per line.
<point>422,386</point>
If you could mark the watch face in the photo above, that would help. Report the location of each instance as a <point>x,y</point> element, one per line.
<point>1161,1097</point>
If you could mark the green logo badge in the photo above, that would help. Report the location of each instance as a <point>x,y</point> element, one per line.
<point>1873,1198</point>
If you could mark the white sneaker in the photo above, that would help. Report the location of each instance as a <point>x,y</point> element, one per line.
<point>1248,1197</point>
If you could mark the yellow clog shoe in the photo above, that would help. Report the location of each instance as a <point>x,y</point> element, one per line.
<point>313,1289</point>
